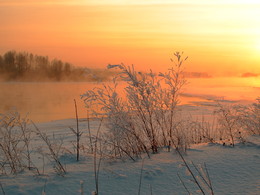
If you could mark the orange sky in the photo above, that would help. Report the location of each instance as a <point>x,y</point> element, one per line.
<point>220,37</point>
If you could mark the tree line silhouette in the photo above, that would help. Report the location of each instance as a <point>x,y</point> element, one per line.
<point>24,66</point>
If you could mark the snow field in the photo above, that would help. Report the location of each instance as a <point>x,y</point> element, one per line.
<point>232,170</point>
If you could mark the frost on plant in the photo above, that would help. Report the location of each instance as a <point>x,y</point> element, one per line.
<point>142,117</point>
<point>238,121</point>
<point>250,118</point>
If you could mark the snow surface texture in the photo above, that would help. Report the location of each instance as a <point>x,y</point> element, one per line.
<point>232,170</point>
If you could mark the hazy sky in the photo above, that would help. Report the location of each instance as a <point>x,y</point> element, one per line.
<point>220,37</point>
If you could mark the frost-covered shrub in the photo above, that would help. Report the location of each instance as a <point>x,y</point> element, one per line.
<point>143,116</point>
<point>203,131</point>
<point>228,120</point>
<point>250,117</point>
<point>235,122</point>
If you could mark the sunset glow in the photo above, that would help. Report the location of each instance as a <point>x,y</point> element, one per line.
<point>119,96</point>
<point>220,37</point>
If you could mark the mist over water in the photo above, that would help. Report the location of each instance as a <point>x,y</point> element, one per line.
<point>55,100</point>
<point>233,89</point>
<point>44,101</point>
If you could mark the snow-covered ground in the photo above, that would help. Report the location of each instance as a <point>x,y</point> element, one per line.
<point>232,170</point>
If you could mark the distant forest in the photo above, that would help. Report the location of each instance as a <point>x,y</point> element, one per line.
<point>23,66</point>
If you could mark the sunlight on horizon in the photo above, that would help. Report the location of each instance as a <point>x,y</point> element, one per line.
<point>127,2</point>
<point>220,37</point>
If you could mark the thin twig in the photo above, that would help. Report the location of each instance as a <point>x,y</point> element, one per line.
<point>78,134</point>
<point>211,187</point>
<point>2,188</point>
<point>89,133</point>
<point>190,171</point>
<point>140,180</point>
<point>151,189</point>
<point>96,168</point>
<point>183,184</point>
<point>200,174</point>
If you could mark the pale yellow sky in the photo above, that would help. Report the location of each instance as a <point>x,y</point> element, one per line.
<point>220,37</point>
